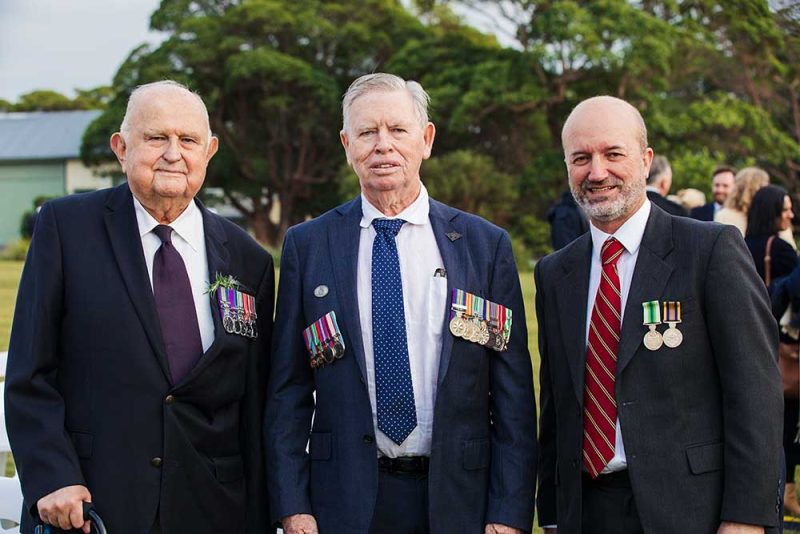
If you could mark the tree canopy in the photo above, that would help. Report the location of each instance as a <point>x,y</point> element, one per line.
<point>716,82</point>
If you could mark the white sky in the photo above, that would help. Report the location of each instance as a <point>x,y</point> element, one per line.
<point>68,44</point>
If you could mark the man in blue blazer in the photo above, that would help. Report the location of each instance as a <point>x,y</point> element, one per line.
<point>124,387</point>
<point>414,429</point>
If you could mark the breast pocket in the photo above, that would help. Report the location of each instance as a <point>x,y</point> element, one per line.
<point>437,304</point>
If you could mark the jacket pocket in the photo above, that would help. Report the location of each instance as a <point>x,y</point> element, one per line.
<point>476,454</point>
<point>228,468</point>
<point>320,445</point>
<point>82,441</point>
<point>705,458</point>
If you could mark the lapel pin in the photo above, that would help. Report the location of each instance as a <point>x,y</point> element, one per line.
<point>320,291</point>
<point>453,236</point>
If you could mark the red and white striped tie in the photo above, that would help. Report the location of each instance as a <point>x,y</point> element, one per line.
<point>599,404</point>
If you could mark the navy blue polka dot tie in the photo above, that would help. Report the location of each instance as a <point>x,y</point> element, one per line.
<point>397,414</point>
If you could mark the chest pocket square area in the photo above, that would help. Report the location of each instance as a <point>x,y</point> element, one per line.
<point>324,341</point>
<point>480,321</point>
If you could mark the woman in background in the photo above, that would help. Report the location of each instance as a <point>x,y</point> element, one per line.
<point>770,213</point>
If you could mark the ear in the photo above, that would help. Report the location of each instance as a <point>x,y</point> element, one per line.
<point>346,145</point>
<point>213,146</point>
<point>427,135</point>
<point>119,148</point>
<point>647,159</point>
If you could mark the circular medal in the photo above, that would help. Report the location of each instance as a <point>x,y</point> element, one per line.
<point>653,340</point>
<point>483,336</point>
<point>457,326</point>
<point>672,337</point>
<point>227,323</point>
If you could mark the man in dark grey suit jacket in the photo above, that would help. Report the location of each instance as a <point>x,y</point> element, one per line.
<point>124,388</point>
<point>651,427</point>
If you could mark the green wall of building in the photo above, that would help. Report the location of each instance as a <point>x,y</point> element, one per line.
<point>20,184</point>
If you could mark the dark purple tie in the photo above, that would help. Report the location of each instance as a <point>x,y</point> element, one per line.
<point>175,306</point>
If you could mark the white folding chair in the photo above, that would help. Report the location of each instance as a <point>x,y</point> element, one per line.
<point>5,447</point>
<point>10,505</point>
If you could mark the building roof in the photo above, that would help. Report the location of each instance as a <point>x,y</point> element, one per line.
<point>43,134</point>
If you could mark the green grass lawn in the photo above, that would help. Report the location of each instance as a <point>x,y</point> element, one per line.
<point>9,280</point>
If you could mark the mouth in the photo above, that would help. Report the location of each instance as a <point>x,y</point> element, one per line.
<point>384,167</point>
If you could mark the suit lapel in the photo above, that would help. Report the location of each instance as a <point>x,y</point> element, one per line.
<point>343,242</point>
<point>650,275</point>
<point>126,244</point>
<point>218,262</point>
<point>573,290</point>
<point>451,241</point>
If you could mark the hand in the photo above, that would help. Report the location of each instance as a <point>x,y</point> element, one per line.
<point>64,508</point>
<point>788,350</point>
<point>497,528</point>
<point>299,524</point>
<point>726,527</point>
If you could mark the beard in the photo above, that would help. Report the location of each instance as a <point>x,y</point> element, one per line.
<point>630,195</point>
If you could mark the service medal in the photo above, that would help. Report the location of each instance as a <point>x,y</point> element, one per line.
<point>672,316</point>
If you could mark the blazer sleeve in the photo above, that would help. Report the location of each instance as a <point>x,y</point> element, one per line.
<point>43,451</point>
<point>744,339</point>
<point>512,476</point>
<point>252,407</point>
<point>546,496</point>
<point>290,400</point>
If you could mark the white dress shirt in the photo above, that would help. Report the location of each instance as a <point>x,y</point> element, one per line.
<point>188,238</point>
<point>630,235</point>
<point>424,301</point>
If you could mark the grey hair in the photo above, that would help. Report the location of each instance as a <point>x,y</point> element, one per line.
<point>658,168</point>
<point>125,127</point>
<point>381,81</point>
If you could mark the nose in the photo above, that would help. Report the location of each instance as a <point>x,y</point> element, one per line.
<point>597,169</point>
<point>383,142</point>
<point>173,151</point>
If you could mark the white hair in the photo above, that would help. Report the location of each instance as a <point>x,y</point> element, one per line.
<point>381,81</point>
<point>137,93</point>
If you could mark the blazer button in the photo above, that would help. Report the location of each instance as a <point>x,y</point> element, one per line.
<point>169,399</point>
<point>369,439</point>
<point>156,462</point>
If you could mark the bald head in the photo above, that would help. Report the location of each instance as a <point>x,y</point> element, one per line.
<point>599,109</point>
<point>607,157</point>
<point>157,90</point>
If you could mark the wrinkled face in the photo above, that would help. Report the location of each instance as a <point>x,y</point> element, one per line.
<point>385,143</point>
<point>721,186</point>
<point>606,165</point>
<point>167,148</point>
<point>787,214</point>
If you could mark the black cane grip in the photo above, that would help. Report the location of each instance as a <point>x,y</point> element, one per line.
<point>88,508</point>
<point>89,514</point>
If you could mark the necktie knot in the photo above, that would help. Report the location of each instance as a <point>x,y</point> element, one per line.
<point>611,251</point>
<point>389,227</point>
<point>164,233</point>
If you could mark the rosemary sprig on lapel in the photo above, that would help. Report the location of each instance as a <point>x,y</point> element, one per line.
<point>227,282</point>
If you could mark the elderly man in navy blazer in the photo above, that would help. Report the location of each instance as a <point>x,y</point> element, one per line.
<point>124,386</point>
<point>415,428</point>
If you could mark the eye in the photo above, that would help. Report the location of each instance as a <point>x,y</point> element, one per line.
<point>613,156</point>
<point>188,140</point>
<point>399,130</point>
<point>155,137</point>
<point>365,133</point>
<point>580,160</point>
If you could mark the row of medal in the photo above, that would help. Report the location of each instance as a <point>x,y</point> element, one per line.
<point>324,341</point>
<point>238,312</point>
<point>480,321</point>
<point>672,337</point>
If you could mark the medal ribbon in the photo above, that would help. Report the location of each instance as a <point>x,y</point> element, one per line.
<point>672,312</point>
<point>652,313</point>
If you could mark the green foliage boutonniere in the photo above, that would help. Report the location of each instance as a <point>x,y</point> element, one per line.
<point>227,282</point>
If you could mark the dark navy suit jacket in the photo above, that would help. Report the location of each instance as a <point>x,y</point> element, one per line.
<point>483,457</point>
<point>89,398</point>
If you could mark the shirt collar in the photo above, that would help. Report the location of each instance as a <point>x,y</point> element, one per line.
<point>416,213</point>
<point>629,234</point>
<point>188,225</point>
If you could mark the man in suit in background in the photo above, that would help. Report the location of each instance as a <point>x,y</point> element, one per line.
<point>123,386</point>
<point>721,186</point>
<point>659,180</point>
<point>414,429</point>
<point>646,428</point>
